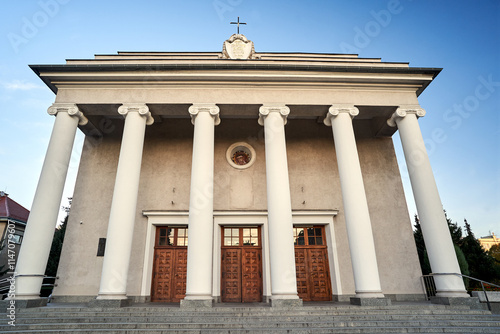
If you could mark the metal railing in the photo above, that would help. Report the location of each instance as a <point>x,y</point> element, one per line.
<point>5,283</point>
<point>429,285</point>
<point>4,286</point>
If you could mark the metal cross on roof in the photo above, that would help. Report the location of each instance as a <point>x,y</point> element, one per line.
<point>238,23</point>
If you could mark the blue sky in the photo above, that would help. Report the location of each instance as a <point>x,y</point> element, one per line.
<point>461,128</point>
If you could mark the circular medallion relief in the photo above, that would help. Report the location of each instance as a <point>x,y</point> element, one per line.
<point>240,155</point>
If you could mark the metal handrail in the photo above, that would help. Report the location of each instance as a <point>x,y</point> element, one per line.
<point>463,276</point>
<point>6,282</point>
<point>4,285</point>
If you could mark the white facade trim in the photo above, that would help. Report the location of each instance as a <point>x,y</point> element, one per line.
<point>179,219</point>
<point>326,218</point>
<point>240,218</point>
<point>151,213</point>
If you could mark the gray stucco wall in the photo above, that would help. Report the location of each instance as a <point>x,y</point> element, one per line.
<point>165,180</point>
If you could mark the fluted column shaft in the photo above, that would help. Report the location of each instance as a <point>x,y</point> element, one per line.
<point>200,247</point>
<point>37,239</point>
<point>123,206</point>
<point>357,217</point>
<point>437,238</point>
<point>282,252</point>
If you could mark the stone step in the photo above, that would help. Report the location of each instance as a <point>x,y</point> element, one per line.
<point>257,311</point>
<point>310,330</point>
<point>329,319</point>
<point>257,325</point>
<point>254,312</point>
<point>266,309</point>
<point>22,319</point>
<point>250,324</point>
<point>228,317</point>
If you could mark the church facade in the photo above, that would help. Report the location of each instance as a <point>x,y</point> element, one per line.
<point>236,176</point>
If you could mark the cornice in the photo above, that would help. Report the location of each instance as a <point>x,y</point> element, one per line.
<point>230,70</point>
<point>231,65</point>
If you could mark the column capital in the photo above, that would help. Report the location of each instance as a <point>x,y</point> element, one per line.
<point>335,110</point>
<point>265,109</point>
<point>403,111</point>
<point>70,108</point>
<point>141,108</point>
<point>211,108</point>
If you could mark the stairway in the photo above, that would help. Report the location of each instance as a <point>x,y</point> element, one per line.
<point>240,319</point>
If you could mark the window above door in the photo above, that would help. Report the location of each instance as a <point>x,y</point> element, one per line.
<point>171,236</point>
<point>308,236</point>
<point>241,236</point>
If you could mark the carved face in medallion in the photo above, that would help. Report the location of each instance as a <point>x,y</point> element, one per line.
<point>241,158</point>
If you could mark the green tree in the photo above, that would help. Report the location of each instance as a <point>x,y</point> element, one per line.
<point>456,236</point>
<point>455,230</point>
<point>494,252</point>
<point>421,251</point>
<point>464,266</point>
<point>57,242</point>
<point>481,264</point>
<point>55,250</point>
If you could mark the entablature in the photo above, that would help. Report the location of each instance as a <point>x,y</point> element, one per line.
<point>370,122</point>
<point>232,72</point>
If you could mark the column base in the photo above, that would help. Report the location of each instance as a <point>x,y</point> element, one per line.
<point>370,301</point>
<point>23,303</point>
<point>196,303</point>
<point>103,303</point>
<point>472,302</point>
<point>286,303</point>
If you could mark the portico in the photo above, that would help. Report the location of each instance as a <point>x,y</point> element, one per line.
<point>211,143</point>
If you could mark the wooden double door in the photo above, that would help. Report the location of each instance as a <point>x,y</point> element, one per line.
<point>170,264</point>
<point>241,265</point>
<point>311,264</point>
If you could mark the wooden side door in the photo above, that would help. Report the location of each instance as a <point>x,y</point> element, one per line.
<point>302,273</point>
<point>179,275</point>
<point>169,265</point>
<point>161,289</point>
<point>231,275</point>
<point>320,288</point>
<point>251,282</point>
<point>311,264</point>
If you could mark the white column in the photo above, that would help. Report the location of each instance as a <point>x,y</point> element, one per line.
<point>435,230</point>
<point>357,217</point>
<point>42,221</point>
<point>281,248</point>
<point>123,206</point>
<point>199,258</point>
